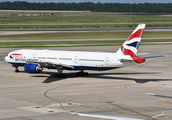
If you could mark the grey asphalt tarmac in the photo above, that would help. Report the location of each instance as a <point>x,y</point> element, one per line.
<point>82,39</point>
<point>23,96</point>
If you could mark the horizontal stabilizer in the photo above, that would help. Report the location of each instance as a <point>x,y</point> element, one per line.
<point>154,57</point>
<point>138,54</point>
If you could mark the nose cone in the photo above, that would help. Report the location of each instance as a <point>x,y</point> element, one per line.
<point>7,59</point>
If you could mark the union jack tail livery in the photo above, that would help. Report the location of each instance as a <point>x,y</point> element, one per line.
<point>131,45</point>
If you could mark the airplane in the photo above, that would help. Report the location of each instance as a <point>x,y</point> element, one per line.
<point>35,60</point>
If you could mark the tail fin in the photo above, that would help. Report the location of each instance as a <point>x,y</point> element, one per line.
<point>131,45</point>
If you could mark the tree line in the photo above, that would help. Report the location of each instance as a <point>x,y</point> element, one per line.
<point>89,6</point>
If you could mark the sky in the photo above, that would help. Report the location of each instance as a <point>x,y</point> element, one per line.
<point>95,1</point>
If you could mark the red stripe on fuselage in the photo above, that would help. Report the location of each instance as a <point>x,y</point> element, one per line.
<point>16,54</point>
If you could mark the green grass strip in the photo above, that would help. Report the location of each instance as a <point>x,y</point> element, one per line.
<point>77,43</point>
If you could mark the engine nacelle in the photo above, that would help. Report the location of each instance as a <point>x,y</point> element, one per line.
<point>138,59</point>
<point>32,68</point>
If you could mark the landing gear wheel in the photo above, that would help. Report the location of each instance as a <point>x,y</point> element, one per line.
<point>86,73</point>
<point>17,71</point>
<point>82,73</point>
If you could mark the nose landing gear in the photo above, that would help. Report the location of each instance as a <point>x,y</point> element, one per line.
<point>16,70</point>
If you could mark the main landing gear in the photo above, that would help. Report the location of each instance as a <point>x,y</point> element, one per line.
<point>60,73</point>
<point>82,73</point>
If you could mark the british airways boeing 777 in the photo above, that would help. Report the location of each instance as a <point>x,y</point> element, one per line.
<point>35,60</point>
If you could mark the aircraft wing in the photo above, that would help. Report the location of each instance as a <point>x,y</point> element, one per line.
<point>52,65</point>
<point>97,116</point>
<point>55,65</point>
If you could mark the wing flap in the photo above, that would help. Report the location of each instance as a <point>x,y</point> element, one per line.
<point>141,54</point>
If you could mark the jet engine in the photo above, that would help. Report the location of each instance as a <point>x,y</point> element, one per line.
<point>32,68</point>
<point>138,59</point>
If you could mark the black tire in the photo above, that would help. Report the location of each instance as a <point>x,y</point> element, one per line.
<point>16,71</point>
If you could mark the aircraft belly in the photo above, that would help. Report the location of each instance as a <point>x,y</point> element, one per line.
<point>17,64</point>
<point>99,68</point>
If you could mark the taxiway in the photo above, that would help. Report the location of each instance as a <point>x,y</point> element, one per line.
<point>21,32</point>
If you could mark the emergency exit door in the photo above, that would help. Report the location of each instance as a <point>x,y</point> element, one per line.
<point>107,61</point>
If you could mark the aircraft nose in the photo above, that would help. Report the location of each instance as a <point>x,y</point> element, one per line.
<point>6,59</point>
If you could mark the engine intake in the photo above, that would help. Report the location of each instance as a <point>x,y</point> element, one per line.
<point>32,68</point>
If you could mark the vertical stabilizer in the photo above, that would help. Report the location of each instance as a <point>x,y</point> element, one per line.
<point>131,45</point>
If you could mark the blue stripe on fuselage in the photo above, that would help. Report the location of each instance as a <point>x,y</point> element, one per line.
<point>93,68</point>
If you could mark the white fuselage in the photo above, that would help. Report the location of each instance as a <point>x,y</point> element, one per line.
<point>75,59</point>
